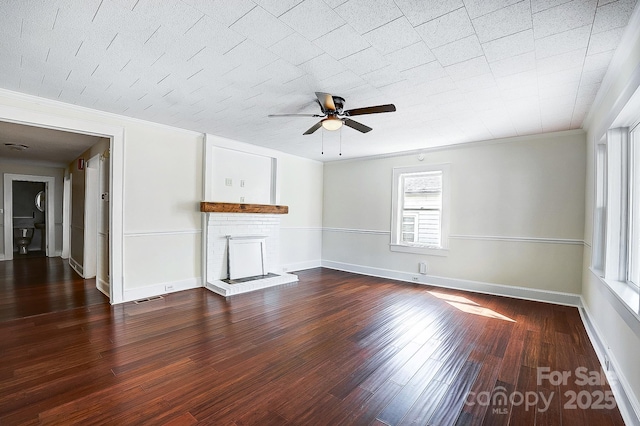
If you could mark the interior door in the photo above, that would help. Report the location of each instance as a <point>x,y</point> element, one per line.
<point>102,281</point>
<point>90,256</point>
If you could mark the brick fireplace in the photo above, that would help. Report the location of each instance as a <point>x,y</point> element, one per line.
<point>227,221</point>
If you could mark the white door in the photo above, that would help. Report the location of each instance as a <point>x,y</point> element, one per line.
<point>66,217</point>
<point>102,278</point>
<point>90,255</point>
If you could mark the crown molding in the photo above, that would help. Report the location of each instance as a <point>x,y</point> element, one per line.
<point>24,97</point>
<point>463,145</point>
<point>622,53</point>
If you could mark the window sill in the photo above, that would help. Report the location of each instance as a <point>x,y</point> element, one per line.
<point>419,250</point>
<point>627,294</point>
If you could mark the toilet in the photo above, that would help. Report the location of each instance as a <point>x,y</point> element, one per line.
<point>22,237</point>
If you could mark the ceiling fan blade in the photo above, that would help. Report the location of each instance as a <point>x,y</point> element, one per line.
<point>295,115</point>
<point>371,110</point>
<point>355,125</point>
<point>326,101</point>
<point>314,128</point>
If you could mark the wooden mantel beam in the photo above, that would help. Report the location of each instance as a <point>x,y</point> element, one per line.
<point>211,207</point>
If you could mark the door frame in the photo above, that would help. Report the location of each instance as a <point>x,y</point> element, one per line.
<point>50,189</point>
<point>116,176</point>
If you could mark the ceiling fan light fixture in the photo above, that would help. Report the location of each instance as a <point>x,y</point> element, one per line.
<point>332,123</point>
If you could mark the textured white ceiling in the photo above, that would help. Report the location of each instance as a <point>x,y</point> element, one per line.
<point>457,70</point>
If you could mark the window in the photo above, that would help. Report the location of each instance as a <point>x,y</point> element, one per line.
<point>420,207</point>
<point>616,216</point>
<point>611,238</point>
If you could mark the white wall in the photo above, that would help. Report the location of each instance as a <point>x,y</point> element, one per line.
<point>505,195</point>
<point>299,184</point>
<point>163,185</point>
<point>616,327</point>
<point>57,174</point>
<point>249,175</point>
<point>301,188</point>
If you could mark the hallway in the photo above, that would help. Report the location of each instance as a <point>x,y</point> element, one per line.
<point>38,285</point>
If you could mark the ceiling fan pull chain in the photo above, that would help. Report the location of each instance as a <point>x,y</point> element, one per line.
<point>322,133</point>
<point>340,140</point>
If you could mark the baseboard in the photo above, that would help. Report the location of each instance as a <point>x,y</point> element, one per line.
<point>555,297</point>
<point>161,288</point>
<point>103,287</point>
<point>301,266</point>
<point>76,266</point>
<point>627,402</point>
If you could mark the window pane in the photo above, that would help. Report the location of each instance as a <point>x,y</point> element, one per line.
<point>600,213</point>
<point>422,197</point>
<point>634,202</point>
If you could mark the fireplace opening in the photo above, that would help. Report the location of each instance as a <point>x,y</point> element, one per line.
<point>246,258</point>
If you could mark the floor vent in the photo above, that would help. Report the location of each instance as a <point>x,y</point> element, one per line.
<point>148,299</point>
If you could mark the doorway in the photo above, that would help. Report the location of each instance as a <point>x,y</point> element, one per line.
<point>22,221</point>
<point>115,134</point>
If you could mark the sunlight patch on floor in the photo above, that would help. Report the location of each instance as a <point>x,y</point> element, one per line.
<point>469,306</point>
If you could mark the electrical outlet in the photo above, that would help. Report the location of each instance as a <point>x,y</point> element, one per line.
<point>168,287</point>
<point>228,182</point>
<point>415,279</point>
<point>242,199</point>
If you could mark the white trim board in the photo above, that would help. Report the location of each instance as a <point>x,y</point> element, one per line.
<point>357,231</point>
<point>161,288</point>
<point>461,145</point>
<point>161,233</point>
<point>555,297</point>
<point>627,403</point>
<point>301,266</point>
<point>539,240</point>
<point>75,266</point>
<point>519,239</point>
<point>58,104</point>
<point>612,75</point>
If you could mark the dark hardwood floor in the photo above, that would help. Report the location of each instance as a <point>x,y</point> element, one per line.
<point>336,348</point>
<point>34,285</point>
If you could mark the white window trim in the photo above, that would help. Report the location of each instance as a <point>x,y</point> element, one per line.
<point>396,217</point>
<point>615,273</point>
<point>615,265</point>
<point>633,250</point>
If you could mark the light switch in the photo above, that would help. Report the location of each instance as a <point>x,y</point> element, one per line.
<point>242,183</point>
